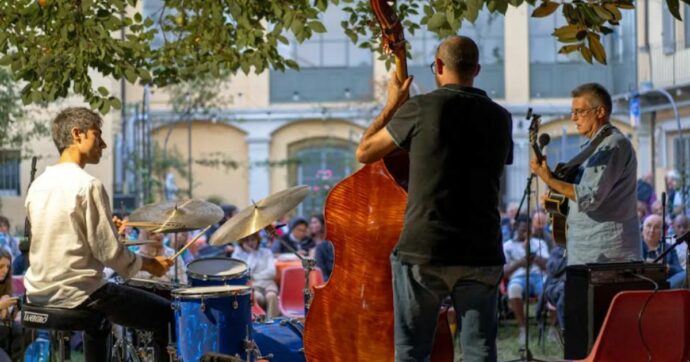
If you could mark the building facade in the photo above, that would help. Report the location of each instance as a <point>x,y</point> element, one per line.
<point>280,129</point>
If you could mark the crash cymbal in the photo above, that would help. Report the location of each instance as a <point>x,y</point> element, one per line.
<point>175,216</point>
<point>259,215</point>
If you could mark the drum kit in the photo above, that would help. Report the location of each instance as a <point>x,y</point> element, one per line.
<point>213,315</point>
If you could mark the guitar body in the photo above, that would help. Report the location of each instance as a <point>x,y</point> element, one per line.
<point>557,206</point>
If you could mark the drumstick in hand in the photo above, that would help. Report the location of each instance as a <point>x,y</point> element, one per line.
<point>190,243</point>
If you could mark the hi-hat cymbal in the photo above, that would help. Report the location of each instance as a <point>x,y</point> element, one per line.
<point>259,215</point>
<point>175,216</point>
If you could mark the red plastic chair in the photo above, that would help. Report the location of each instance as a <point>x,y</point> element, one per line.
<point>291,298</point>
<point>18,285</point>
<point>665,327</point>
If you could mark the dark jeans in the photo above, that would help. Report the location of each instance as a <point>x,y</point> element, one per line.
<point>419,290</point>
<point>128,307</point>
<point>555,294</point>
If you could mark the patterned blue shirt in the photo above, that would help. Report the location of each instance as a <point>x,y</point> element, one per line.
<point>602,222</point>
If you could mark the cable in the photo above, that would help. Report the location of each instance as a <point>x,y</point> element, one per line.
<point>642,310</point>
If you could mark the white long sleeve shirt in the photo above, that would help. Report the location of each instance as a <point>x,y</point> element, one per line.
<point>73,238</point>
<point>262,265</point>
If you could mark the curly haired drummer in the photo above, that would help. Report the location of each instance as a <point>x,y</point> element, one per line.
<point>74,239</point>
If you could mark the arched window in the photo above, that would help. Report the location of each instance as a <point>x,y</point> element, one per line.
<point>319,163</point>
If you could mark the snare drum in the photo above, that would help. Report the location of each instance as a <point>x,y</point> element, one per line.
<point>281,337</point>
<point>212,319</point>
<point>217,271</point>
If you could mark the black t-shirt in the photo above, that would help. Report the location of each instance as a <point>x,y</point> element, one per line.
<point>459,141</point>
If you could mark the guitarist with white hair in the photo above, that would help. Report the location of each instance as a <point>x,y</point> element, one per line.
<point>599,184</point>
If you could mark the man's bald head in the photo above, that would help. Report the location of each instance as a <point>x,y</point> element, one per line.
<point>651,230</point>
<point>459,54</point>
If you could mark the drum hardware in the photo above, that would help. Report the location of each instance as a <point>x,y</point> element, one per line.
<point>217,271</point>
<point>172,216</point>
<point>257,216</point>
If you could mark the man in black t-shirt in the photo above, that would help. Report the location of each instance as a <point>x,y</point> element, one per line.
<point>458,141</point>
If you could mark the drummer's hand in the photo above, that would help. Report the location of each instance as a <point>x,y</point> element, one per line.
<point>157,266</point>
<point>120,224</point>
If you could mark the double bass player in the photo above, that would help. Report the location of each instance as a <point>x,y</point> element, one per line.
<point>458,142</point>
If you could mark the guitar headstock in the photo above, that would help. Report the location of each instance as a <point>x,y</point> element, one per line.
<point>534,134</point>
<point>392,35</point>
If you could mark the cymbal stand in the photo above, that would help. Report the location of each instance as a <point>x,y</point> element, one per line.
<point>308,264</point>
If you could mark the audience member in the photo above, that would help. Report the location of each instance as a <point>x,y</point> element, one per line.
<point>297,238</point>
<point>554,286</point>
<point>681,225</point>
<point>645,191</point>
<point>651,236</point>
<point>262,270</point>
<point>642,212</point>
<point>157,248</point>
<point>540,227</point>
<point>10,329</point>
<point>674,204</point>
<point>21,262</point>
<point>221,250</point>
<point>8,241</point>
<point>323,252</point>
<point>515,269</point>
<point>508,220</point>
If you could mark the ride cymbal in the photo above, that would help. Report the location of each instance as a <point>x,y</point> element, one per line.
<point>175,216</point>
<point>259,215</point>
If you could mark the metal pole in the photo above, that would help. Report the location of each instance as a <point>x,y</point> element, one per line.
<point>189,155</point>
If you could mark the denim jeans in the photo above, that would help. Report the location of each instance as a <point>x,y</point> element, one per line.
<point>128,307</point>
<point>419,290</point>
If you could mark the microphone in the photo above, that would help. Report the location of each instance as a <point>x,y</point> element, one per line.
<point>529,113</point>
<point>544,140</point>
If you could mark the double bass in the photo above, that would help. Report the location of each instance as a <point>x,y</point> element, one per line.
<point>351,317</point>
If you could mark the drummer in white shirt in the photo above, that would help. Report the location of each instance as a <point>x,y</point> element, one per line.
<point>262,270</point>
<point>74,239</point>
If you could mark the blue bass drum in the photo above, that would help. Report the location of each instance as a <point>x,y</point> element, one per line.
<point>281,337</point>
<point>212,319</point>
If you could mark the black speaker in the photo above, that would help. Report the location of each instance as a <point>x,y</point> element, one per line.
<point>589,290</point>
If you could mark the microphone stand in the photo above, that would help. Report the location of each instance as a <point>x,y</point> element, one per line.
<point>308,264</point>
<point>679,240</point>
<point>525,353</point>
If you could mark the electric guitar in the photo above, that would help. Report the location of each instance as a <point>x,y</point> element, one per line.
<point>555,204</point>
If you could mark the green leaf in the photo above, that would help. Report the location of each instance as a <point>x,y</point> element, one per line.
<point>597,48</point>
<point>105,106</point>
<point>566,49</point>
<point>86,5</point>
<point>567,33</point>
<point>586,54</point>
<point>617,13</point>
<point>437,20</point>
<point>6,60</point>
<point>545,9</point>
<point>103,91</point>
<point>603,13</point>
<point>473,9</point>
<point>115,103</point>
<point>130,75</point>
<point>317,26</point>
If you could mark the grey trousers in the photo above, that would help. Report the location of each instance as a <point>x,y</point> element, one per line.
<point>419,290</point>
